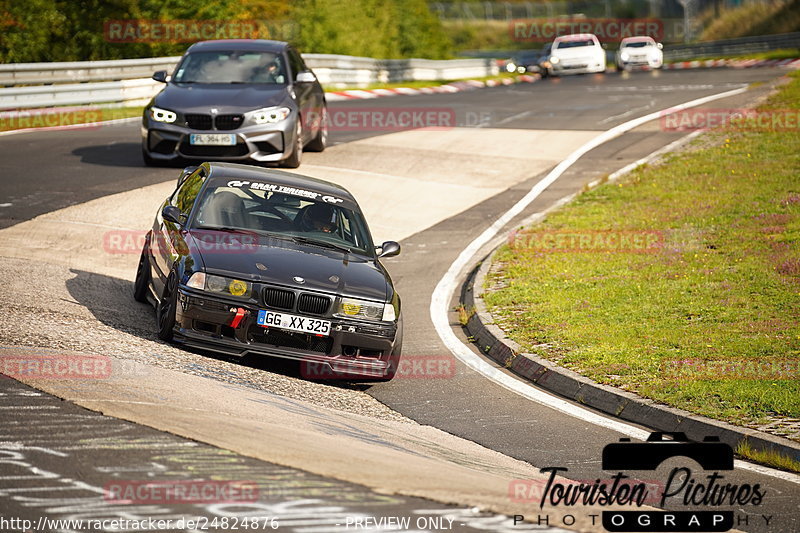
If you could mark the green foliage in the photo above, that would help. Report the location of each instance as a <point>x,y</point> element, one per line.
<point>69,30</point>
<point>752,19</point>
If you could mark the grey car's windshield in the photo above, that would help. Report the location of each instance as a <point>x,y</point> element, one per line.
<point>231,67</point>
<point>283,216</point>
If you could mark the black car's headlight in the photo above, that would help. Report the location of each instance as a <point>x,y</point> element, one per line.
<point>271,115</point>
<point>163,115</point>
<point>220,285</point>
<point>366,310</point>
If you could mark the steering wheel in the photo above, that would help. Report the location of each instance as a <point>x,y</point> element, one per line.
<point>271,209</point>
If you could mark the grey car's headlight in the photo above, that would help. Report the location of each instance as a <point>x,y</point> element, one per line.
<point>162,115</point>
<point>363,309</point>
<point>554,60</point>
<point>624,56</point>
<point>220,285</point>
<point>271,115</point>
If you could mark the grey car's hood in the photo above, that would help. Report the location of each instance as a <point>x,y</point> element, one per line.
<point>226,98</point>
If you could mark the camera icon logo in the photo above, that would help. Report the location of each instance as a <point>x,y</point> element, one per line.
<point>711,454</point>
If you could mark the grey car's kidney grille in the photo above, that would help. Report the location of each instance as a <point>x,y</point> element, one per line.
<point>228,122</point>
<point>198,122</point>
<point>313,304</point>
<point>278,298</point>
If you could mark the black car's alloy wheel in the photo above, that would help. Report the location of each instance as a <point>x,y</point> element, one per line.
<point>165,313</point>
<point>141,285</point>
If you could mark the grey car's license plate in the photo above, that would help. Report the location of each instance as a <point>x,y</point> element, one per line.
<point>212,139</point>
<point>293,322</point>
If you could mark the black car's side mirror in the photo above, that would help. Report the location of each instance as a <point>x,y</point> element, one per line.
<point>389,249</point>
<point>172,214</point>
<point>160,75</point>
<point>306,77</point>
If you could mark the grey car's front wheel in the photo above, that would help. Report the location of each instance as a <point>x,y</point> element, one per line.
<point>320,142</point>
<point>141,285</point>
<point>294,159</point>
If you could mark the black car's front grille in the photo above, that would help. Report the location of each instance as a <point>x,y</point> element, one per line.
<point>198,122</point>
<point>278,298</point>
<point>228,122</point>
<point>313,304</point>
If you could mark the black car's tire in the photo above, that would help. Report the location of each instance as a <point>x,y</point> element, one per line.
<point>142,284</point>
<point>294,159</point>
<point>320,142</point>
<point>165,312</point>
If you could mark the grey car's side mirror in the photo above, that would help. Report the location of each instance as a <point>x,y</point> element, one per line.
<point>306,77</point>
<point>172,214</point>
<point>389,249</point>
<point>660,46</point>
<point>160,75</point>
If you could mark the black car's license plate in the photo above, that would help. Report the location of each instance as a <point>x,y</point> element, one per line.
<point>293,322</point>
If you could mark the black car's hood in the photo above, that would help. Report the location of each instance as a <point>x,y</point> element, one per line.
<point>227,98</point>
<point>321,269</point>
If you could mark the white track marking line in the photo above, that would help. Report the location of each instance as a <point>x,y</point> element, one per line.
<point>447,286</point>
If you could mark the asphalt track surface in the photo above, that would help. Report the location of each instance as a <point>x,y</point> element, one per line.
<point>48,171</point>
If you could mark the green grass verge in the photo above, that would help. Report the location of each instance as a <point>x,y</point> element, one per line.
<point>687,323</point>
<point>784,53</point>
<point>768,457</point>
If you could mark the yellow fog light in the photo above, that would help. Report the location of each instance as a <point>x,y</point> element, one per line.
<point>351,308</point>
<point>237,287</point>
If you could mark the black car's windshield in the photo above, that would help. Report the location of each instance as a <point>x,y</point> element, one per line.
<point>574,44</point>
<point>283,216</point>
<point>231,67</point>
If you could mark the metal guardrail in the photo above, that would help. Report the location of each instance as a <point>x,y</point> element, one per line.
<point>127,81</point>
<point>728,47</point>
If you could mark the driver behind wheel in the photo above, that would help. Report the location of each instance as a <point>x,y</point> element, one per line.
<point>319,217</point>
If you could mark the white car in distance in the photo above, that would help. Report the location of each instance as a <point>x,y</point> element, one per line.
<point>639,52</point>
<point>579,53</point>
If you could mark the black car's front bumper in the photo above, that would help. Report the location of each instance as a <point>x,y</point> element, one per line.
<point>354,348</point>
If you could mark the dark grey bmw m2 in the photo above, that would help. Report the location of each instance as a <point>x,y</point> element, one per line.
<point>236,100</point>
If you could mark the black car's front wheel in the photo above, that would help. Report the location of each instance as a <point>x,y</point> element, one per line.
<point>165,312</point>
<point>141,285</point>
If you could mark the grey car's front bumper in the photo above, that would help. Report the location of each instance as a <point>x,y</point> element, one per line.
<point>262,143</point>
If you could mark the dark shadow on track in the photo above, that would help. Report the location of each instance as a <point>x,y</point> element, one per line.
<point>117,155</point>
<point>111,302</point>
